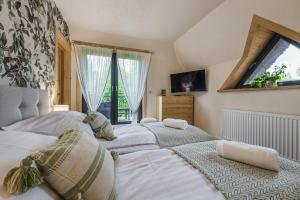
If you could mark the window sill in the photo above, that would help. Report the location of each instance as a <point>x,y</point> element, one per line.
<point>259,89</point>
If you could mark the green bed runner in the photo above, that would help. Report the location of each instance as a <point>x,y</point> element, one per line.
<point>170,137</point>
<point>241,181</point>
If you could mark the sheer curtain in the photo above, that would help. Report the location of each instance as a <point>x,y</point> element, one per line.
<point>93,67</point>
<point>133,69</point>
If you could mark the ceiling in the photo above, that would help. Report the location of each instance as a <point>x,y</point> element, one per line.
<point>163,20</point>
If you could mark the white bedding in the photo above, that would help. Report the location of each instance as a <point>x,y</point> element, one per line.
<point>131,138</point>
<point>14,146</point>
<point>54,123</point>
<point>161,175</point>
<point>157,174</point>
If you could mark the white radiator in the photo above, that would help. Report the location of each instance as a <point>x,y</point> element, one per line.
<point>281,132</point>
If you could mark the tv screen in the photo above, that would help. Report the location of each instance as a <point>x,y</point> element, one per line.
<point>188,81</point>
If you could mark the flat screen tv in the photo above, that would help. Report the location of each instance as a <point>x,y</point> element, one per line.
<point>188,81</point>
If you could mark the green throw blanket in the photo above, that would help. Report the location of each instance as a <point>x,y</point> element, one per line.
<point>241,181</point>
<point>170,137</point>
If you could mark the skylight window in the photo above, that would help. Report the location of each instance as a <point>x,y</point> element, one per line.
<point>277,65</point>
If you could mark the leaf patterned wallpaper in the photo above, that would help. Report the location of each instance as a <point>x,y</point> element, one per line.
<point>27,42</point>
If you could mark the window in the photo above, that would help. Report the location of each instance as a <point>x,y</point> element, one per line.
<point>277,65</point>
<point>114,104</point>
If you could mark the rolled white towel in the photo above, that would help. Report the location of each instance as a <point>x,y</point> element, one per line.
<point>176,123</point>
<point>249,154</point>
<point>148,120</point>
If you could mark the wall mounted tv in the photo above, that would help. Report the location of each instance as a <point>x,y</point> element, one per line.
<point>188,81</point>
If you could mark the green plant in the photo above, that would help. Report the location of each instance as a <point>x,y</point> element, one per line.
<point>268,79</point>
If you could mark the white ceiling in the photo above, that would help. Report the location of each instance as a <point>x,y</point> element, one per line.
<point>148,19</point>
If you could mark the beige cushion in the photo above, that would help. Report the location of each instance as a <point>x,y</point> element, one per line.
<point>100,125</point>
<point>148,120</point>
<point>78,167</point>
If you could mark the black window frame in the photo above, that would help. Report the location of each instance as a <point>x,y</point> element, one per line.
<point>114,96</point>
<point>270,45</point>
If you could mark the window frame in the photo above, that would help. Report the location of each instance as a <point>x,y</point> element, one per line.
<point>270,45</point>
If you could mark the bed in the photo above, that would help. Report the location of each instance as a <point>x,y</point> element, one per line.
<point>27,110</point>
<point>161,174</point>
<point>190,171</point>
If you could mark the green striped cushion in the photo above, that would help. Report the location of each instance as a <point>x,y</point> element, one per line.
<point>78,167</point>
<point>100,125</point>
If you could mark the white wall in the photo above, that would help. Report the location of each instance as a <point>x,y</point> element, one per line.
<point>221,35</point>
<point>163,61</point>
<point>209,105</point>
<point>217,43</point>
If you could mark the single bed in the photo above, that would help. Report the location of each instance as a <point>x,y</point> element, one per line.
<point>161,174</point>
<point>158,174</point>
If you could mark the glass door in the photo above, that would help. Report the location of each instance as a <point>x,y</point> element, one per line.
<point>114,105</point>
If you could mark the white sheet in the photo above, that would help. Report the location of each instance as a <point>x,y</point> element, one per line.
<point>131,138</point>
<point>54,123</point>
<point>14,146</point>
<point>161,175</point>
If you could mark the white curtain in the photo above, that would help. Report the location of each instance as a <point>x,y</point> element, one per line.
<point>93,67</point>
<point>133,69</point>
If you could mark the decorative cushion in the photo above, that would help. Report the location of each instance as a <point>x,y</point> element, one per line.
<point>78,167</point>
<point>100,125</point>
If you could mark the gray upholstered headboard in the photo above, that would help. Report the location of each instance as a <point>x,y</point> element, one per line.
<point>17,104</point>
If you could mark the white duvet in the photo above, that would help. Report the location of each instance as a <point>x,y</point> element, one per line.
<point>131,138</point>
<point>161,175</point>
<point>53,124</point>
<point>145,175</point>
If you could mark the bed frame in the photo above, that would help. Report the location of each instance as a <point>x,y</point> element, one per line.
<point>18,103</point>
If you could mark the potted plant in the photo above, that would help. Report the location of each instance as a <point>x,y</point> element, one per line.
<point>268,79</point>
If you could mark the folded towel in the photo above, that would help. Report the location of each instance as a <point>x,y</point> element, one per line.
<point>148,120</point>
<point>249,154</point>
<point>175,123</point>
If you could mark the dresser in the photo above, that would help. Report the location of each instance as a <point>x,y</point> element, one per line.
<point>177,107</point>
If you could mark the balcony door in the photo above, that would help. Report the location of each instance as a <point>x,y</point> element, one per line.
<point>114,105</point>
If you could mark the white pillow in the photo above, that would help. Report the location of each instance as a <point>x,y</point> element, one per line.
<point>54,124</point>
<point>175,123</point>
<point>148,120</point>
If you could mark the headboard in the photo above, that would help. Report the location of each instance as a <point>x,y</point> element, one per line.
<point>18,103</point>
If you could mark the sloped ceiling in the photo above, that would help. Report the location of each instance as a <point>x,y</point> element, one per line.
<point>222,34</point>
<point>147,19</point>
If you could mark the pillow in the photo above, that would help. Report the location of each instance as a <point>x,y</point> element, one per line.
<point>100,125</point>
<point>175,123</point>
<point>77,167</point>
<point>148,120</point>
<point>53,124</point>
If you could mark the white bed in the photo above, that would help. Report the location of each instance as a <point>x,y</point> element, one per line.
<point>130,138</point>
<point>158,174</point>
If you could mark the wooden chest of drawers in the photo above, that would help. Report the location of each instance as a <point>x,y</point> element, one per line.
<point>177,107</point>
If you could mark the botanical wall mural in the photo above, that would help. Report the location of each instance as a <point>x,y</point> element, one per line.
<point>27,42</point>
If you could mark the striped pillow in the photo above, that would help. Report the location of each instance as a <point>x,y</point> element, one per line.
<point>78,167</point>
<point>100,125</point>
